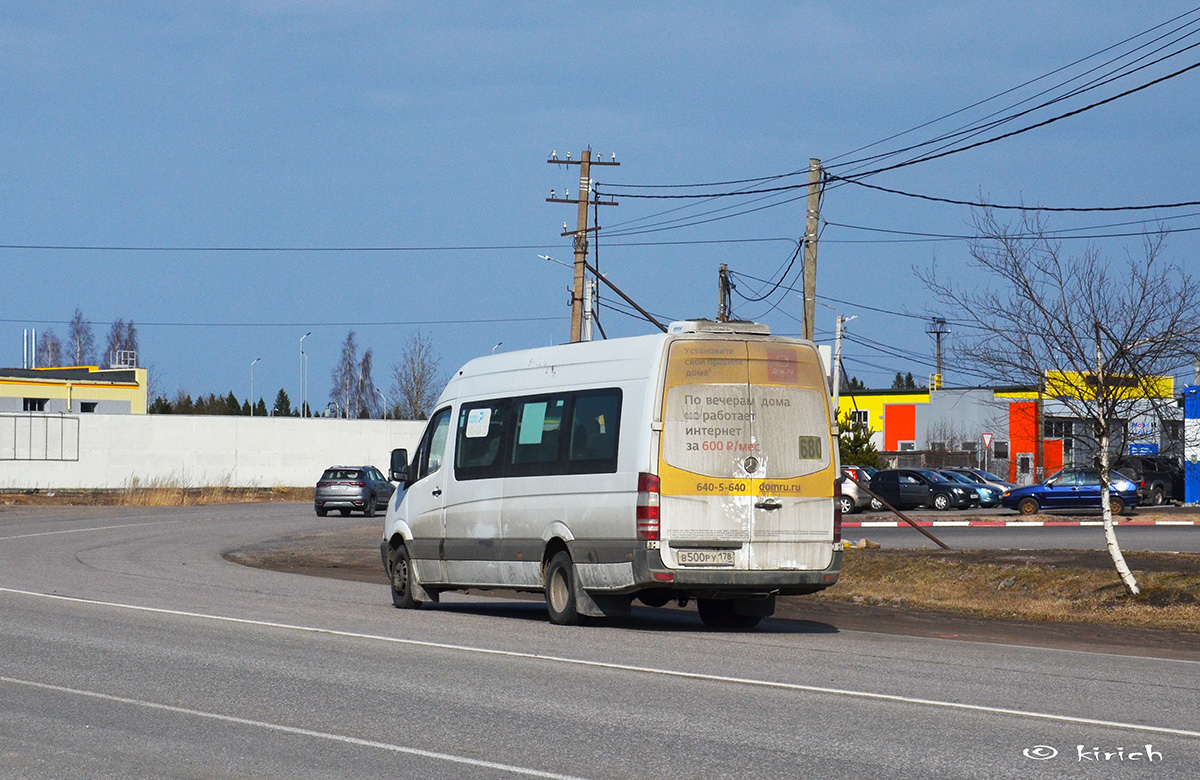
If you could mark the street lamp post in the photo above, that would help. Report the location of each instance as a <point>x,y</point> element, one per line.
<point>252,362</point>
<point>303,390</point>
<point>385,402</point>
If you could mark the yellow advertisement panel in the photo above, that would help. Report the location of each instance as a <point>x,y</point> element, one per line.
<point>745,418</point>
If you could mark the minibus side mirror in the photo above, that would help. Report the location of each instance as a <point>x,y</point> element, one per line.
<point>398,471</point>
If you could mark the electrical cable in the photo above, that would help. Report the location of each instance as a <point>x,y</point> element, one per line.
<point>999,206</point>
<point>401,323</point>
<point>1011,89</point>
<point>982,125</point>
<point>1035,126</point>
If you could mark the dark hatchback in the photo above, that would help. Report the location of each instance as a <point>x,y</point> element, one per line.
<point>910,488</point>
<point>1072,489</point>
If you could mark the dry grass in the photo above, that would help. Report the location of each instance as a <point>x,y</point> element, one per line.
<point>966,584</point>
<point>136,494</point>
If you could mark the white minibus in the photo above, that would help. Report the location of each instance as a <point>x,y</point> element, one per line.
<point>698,464</point>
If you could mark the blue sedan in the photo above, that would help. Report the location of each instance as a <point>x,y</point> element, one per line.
<point>1072,489</point>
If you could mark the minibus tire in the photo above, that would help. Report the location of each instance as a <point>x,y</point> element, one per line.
<point>720,614</point>
<point>560,590</point>
<point>401,575</point>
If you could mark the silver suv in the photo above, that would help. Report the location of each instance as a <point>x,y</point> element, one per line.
<point>358,488</point>
<point>853,498</point>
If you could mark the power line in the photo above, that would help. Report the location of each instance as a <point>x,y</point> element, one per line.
<point>333,249</point>
<point>1036,125</point>
<point>1057,235</point>
<point>400,323</point>
<point>999,206</point>
<point>980,126</point>
<point>1007,91</point>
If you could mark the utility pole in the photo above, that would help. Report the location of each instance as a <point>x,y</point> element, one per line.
<point>837,360</point>
<point>585,163</point>
<point>723,294</point>
<point>938,328</point>
<point>815,174</point>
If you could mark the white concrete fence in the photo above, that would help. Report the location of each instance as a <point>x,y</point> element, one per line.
<point>106,451</point>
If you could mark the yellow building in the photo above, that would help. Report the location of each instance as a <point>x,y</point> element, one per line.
<point>74,390</point>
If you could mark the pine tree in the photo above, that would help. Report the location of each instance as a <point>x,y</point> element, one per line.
<point>283,404</point>
<point>854,443</point>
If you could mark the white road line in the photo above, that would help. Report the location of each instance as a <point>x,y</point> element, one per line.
<point>89,530</point>
<point>625,667</point>
<point>519,770</point>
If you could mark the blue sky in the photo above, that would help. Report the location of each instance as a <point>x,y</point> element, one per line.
<point>307,126</point>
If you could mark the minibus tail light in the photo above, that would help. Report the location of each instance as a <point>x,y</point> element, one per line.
<point>647,508</point>
<point>837,511</point>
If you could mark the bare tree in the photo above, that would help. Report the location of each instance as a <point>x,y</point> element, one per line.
<point>344,379</point>
<point>366,400</point>
<point>122,345</point>
<point>49,350</point>
<point>417,379</point>
<point>81,344</point>
<point>1094,335</point>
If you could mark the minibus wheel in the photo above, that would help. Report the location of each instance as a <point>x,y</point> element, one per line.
<point>560,590</point>
<point>401,577</point>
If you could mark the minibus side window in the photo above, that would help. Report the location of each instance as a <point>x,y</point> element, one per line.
<point>479,448</point>
<point>539,429</point>
<point>595,422</point>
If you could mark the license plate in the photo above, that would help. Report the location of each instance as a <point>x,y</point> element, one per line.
<point>704,557</point>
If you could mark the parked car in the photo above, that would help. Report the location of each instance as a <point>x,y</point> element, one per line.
<point>1159,478</point>
<point>988,496</point>
<point>910,488</point>
<point>1072,489</point>
<point>346,488</point>
<point>863,474</point>
<point>981,477</point>
<point>853,498</point>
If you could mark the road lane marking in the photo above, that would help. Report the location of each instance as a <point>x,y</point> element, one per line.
<point>262,724</point>
<point>87,530</point>
<point>887,697</point>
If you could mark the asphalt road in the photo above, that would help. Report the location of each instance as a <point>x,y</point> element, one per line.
<point>1133,537</point>
<point>129,648</point>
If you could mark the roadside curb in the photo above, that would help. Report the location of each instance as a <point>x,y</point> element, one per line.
<point>1006,523</point>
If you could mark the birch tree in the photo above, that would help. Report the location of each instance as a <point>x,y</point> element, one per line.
<point>81,344</point>
<point>1096,335</point>
<point>49,350</point>
<point>344,380</point>
<point>417,380</point>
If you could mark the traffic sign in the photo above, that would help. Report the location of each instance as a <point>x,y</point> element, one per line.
<point>987,440</point>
